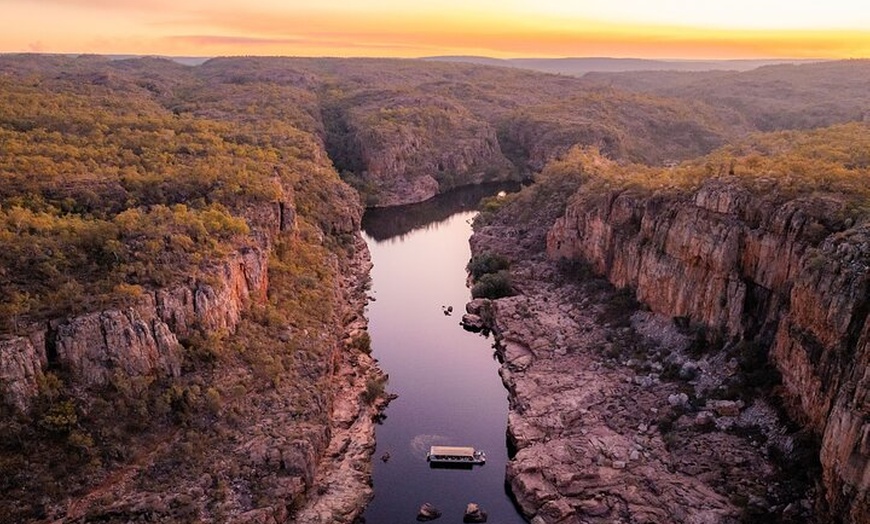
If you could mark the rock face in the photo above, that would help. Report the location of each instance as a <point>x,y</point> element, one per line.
<point>343,476</point>
<point>787,274</point>
<point>594,436</point>
<point>22,360</point>
<point>140,340</point>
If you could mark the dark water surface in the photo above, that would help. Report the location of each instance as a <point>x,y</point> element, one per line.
<point>446,378</point>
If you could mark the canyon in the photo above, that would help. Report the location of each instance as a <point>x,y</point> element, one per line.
<point>677,354</point>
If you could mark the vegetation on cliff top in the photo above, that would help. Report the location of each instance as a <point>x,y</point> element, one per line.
<point>769,98</point>
<point>832,161</point>
<point>107,191</point>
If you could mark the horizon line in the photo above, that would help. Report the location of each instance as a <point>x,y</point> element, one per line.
<point>434,57</point>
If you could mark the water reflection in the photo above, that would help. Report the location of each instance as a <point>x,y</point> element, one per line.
<point>385,223</point>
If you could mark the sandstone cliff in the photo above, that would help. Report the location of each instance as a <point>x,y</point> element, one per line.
<point>143,339</point>
<point>785,272</point>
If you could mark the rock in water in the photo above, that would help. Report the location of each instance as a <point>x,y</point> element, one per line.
<point>473,513</point>
<point>472,322</point>
<point>428,512</point>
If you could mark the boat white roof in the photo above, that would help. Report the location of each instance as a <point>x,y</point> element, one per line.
<point>456,451</point>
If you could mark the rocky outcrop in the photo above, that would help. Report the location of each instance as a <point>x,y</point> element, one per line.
<point>784,272</point>
<point>140,340</point>
<point>143,339</point>
<point>615,415</point>
<point>22,360</point>
<point>589,426</point>
<point>304,446</point>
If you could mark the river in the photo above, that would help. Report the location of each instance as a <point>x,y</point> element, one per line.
<point>447,379</point>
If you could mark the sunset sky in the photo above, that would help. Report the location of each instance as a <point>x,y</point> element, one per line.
<point>497,28</point>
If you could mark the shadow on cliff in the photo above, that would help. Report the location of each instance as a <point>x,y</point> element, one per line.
<point>386,223</point>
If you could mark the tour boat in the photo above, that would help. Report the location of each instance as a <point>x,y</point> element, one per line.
<point>455,455</point>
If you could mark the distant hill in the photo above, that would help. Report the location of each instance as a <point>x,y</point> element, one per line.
<point>784,96</point>
<point>581,66</point>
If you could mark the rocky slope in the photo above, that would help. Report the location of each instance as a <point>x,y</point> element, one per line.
<point>790,275</point>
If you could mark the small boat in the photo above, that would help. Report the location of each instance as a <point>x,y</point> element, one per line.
<point>455,455</point>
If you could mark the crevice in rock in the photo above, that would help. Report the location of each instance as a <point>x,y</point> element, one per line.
<point>104,333</point>
<point>51,345</point>
<point>856,326</point>
<point>756,305</point>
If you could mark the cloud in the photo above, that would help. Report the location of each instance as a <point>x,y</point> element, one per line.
<point>253,43</point>
<point>226,40</point>
<point>379,28</point>
<point>116,5</point>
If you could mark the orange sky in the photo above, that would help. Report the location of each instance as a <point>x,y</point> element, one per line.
<point>498,28</point>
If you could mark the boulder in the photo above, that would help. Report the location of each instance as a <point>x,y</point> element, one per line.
<point>678,400</point>
<point>428,512</point>
<point>472,322</point>
<point>474,513</point>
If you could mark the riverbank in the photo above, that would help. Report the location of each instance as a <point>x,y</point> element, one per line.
<point>607,412</point>
<point>343,484</point>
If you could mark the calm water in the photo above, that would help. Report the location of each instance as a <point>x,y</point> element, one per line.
<point>446,378</point>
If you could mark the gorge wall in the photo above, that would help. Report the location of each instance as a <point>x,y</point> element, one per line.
<point>786,273</point>
<point>143,338</point>
<point>135,341</point>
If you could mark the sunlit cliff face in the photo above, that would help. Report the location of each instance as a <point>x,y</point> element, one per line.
<point>499,28</point>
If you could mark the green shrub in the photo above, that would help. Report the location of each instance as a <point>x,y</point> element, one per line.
<point>61,417</point>
<point>362,342</point>
<point>375,388</point>
<point>486,263</point>
<point>493,285</point>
